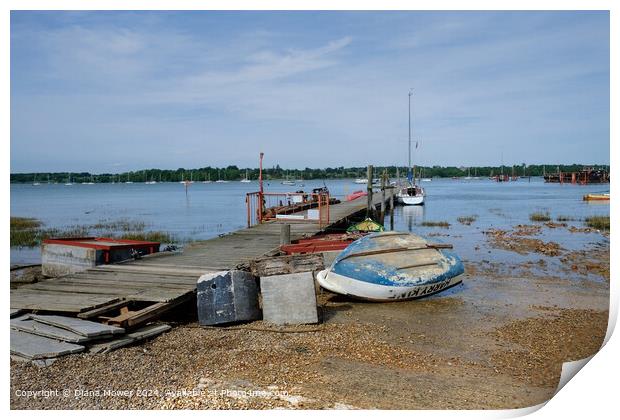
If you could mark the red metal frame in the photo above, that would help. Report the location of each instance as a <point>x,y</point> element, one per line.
<point>258,211</point>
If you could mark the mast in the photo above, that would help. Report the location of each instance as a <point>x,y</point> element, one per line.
<point>409,174</point>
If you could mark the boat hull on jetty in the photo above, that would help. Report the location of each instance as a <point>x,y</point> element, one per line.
<point>392,266</point>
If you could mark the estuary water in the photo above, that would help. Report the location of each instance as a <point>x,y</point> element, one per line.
<point>208,210</point>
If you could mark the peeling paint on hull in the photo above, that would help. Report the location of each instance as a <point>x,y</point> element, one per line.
<point>391,266</point>
<point>379,293</point>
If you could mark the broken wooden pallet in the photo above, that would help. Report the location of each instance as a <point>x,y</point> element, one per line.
<point>286,264</point>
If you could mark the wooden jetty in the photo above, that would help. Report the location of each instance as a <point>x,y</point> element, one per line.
<point>135,292</point>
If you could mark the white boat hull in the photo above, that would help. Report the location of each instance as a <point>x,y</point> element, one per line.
<point>369,291</point>
<point>409,200</point>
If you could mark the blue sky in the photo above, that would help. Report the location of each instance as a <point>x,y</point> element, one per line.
<point>116,91</point>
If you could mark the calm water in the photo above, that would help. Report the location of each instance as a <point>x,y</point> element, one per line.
<point>212,209</point>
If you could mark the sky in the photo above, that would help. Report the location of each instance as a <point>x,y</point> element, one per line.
<point>106,91</point>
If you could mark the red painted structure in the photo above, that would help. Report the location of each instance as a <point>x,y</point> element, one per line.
<point>323,243</point>
<point>107,245</point>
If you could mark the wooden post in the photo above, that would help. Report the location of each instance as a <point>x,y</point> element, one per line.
<point>392,209</point>
<point>383,182</point>
<point>369,206</point>
<point>285,234</point>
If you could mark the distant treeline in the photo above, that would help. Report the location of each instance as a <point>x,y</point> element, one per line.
<point>232,173</point>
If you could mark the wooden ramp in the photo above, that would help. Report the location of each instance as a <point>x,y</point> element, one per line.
<point>135,292</point>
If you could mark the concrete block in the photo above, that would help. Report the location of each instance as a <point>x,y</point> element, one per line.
<point>59,260</point>
<point>289,299</point>
<point>227,296</point>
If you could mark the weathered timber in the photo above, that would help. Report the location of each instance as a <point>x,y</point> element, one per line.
<point>78,326</point>
<point>45,330</point>
<point>129,319</point>
<point>140,334</point>
<point>287,264</point>
<point>102,310</point>
<point>31,346</point>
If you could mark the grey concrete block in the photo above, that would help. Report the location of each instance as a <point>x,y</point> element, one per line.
<point>227,296</point>
<point>58,260</point>
<point>289,299</point>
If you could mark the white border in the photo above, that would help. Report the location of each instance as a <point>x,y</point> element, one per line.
<point>592,394</point>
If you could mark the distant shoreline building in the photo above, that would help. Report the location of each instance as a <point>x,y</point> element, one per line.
<point>583,177</point>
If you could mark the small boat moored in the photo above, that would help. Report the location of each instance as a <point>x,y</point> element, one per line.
<point>392,266</point>
<point>596,197</point>
<point>355,195</point>
<point>366,226</point>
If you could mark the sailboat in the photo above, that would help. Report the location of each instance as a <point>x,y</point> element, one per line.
<point>207,181</point>
<point>219,178</point>
<point>35,181</point>
<point>411,194</point>
<point>246,179</point>
<point>468,177</point>
<point>287,181</point>
<point>69,181</point>
<point>422,179</point>
<point>90,182</point>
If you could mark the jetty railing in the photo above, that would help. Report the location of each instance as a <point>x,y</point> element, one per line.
<point>300,207</point>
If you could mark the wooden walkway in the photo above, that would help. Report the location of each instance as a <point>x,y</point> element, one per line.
<point>167,279</point>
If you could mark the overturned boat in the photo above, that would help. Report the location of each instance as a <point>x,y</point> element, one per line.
<point>390,266</point>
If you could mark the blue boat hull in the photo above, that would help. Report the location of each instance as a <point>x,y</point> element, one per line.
<point>391,266</point>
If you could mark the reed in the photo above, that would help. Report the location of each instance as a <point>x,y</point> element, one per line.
<point>436,224</point>
<point>598,222</point>
<point>29,232</point>
<point>540,217</point>
<point>467,220</point>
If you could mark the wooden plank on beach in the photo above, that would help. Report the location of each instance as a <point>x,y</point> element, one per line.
<point>78,326</point>
<point>33,327</point>
<point>33,346</point>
